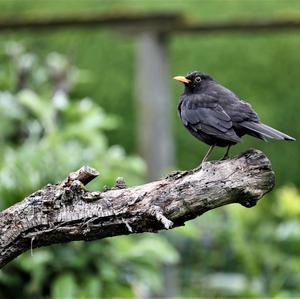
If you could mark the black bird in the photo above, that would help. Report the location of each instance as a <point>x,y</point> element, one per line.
<point>216,116</point>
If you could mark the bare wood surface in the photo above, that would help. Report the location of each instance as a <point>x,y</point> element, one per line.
<point>93,21</point>
<point>155,138</point>
<point>240,26</point>
<point>163,22</point>
<point>65,212</point>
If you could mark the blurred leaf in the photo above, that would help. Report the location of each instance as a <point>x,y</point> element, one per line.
<point>288,201</point>
<point>64,286</point>
<point>57,63</point>
<point>154,248</point>
<point>93,288</point>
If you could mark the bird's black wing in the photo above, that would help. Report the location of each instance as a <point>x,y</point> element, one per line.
<point>241,111</point>
<point>245,118</point>
<point>204,114</point>
<point>238,110</point>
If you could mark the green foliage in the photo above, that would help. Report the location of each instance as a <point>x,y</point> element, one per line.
<point>242,253</point>
<point>64,286</point>
<point>288,202</point>
<point>46,133</point>
<point>111,267</point>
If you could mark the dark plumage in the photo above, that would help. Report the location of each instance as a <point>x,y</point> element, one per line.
<point>216,116</point>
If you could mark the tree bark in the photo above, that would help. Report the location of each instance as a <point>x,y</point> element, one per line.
<point>67,211</point>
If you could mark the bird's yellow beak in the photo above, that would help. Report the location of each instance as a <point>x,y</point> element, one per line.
<point>182,79</point>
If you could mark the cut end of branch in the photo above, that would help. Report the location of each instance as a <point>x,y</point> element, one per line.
<point>84,175</point>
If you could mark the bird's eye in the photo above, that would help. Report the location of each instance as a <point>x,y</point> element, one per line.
<point>197,79</point>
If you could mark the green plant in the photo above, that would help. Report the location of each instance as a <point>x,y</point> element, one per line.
<point>47,133</point>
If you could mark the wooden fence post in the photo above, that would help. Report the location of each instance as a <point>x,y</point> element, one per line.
<point>155,137</point>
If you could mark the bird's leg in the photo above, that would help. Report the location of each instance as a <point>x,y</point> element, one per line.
<point>207,154</point>
<point>226,156</point>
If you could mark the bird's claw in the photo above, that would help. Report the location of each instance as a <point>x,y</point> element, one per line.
<point>225,157</point>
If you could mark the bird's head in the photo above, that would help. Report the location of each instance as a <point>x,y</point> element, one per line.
<point>194,80</point>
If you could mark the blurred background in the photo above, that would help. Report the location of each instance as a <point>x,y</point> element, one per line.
<point>101,93</point>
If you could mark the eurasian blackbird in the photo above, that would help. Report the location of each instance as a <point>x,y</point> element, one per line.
<point>216,116</point>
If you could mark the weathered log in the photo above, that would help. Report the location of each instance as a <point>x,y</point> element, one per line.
<point>67,211</point>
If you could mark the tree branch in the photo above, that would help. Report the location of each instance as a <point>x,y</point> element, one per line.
<point>66,212</point>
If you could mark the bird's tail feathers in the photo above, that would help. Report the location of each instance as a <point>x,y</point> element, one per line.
<point>266,131</point>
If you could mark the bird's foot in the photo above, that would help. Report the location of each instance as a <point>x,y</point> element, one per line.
<point>225,157</point>
<point>200,166</point>
<point>197,168</point>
